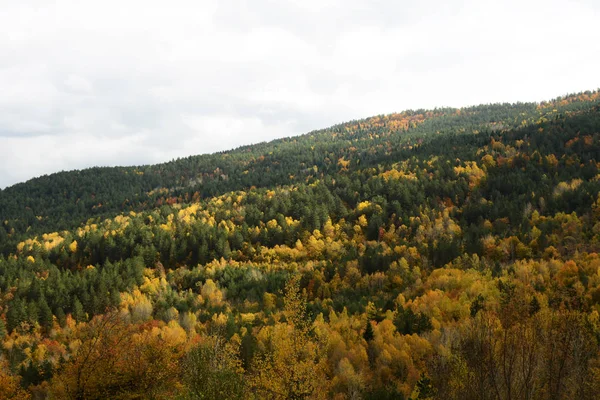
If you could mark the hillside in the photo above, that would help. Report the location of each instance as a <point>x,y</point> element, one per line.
<point>67,199</point>
<point>447,253</point>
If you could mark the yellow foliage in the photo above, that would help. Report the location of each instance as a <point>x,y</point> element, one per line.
<point>219,319</point>
<point>488,161</point>
<point>315,246</point>
<point>290,363</point>
<point>552,160</point>
<point>362,221</point>
<point>269,301</point>
<point>473,171</point>
<point>362,205</point>
<point>186,214</point>
<point>398,352</point>
<point>137,304</point>
<point>211,293</point>
<point>10,387</point>
<point>398,175</point>
<point>442,227</point>
<point>188,321</point>
<point>563,187</point>
<point>343,163</point>
<point>152,285</point>
<point>248,317</point>
<point>173,334</point>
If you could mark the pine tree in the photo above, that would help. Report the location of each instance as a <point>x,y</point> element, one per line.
<point>247,348</point>
<point>78,312</point>
<point>16,314</point>
<point>33,312</point>
<point>45,317</point>
<point>368,334</point>
<point>60,316</point>
<point>115,298</point>
<point>534,306</point>
<point>477,304</point>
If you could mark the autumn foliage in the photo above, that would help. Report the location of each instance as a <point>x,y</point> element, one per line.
<point>443,254</point>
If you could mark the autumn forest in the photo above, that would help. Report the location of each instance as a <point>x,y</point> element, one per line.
<point>429,254</point>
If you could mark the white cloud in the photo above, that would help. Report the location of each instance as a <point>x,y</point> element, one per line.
<point>121,83</point>
<point>78,84</point>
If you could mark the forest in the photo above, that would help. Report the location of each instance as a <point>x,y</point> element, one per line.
<point>427,254</point>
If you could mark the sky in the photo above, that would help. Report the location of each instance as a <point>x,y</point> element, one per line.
<point>102,83</point>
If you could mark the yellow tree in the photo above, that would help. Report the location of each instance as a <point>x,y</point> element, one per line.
<point>10,387</point>
<point>118,360</point>
<point>292,364</point>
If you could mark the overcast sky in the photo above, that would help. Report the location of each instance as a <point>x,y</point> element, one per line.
<point>85,83</point>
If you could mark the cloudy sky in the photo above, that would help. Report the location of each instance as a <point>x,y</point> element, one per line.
<point>130,82</point>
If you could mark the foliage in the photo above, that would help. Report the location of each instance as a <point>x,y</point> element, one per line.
<point>449,253</point>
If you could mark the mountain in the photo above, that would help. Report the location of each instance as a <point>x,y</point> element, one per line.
<point>447,253</point>
<point>66,199</point>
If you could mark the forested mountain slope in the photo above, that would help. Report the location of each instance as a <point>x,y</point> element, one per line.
<point>449,254</point>
<point>67,199</point>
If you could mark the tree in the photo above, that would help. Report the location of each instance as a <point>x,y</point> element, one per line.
<point>212,370</point>
<point>292,365</point>
<point>119,360</point>
<point>45,317</point>
<point>10,385</point>
<point>477,305</point>
<point>16,314</point>
<point>368,334</point>
<point>545,356</point>
<point>78,312</point>
<point>407,322</point>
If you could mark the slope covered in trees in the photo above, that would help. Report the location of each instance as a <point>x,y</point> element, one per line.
<point>67,199</point>
<point>450,253</point>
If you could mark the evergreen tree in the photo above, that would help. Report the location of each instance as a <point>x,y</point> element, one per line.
<point>60,316</point>
<point>33,313</point>
<point>368,334</point>
<point>78,312</point>
<point>16,314</point>
<point>45,317</point>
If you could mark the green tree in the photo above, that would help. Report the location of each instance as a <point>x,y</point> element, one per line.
<point>78,312</point>
<point>45,317</point>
